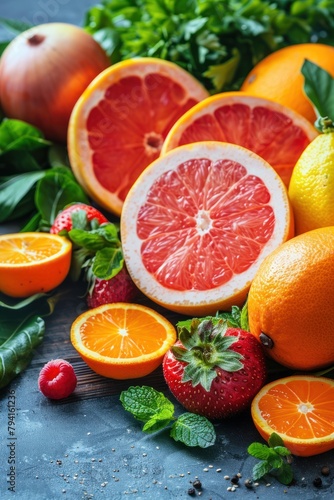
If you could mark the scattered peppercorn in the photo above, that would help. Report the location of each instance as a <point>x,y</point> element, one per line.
<point>197,484</point>
<point>235,479</point>
<point>325,470</point>
<point>191,491</point>
<point>317,482</point>
<point>249,483</point>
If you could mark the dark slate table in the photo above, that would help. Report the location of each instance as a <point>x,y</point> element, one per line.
<point>88,447</point>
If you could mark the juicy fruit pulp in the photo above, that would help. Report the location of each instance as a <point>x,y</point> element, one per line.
<point>197,223</point>
<point>274,132</point>
<point>300,410</point>
<point>121,340</point>
<point>120,122</point>
<point>291,301</point>
<point>33,263</point>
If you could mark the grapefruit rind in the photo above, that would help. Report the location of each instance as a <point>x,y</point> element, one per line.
<point>194,302</point>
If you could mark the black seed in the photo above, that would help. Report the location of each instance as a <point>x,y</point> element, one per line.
<point>191,491</point>
<point>235,480</point>
<point>249,483</point>
<point>197,484</point>
<point>317,482</point>
<point>325,470</point>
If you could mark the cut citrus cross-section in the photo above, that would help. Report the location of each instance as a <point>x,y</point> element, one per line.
<point>271,130</point>
<point>199,221</point>
<point>300,409</point>
<point>33,263</point>
<point>122,340</point>
<point>120,122</point>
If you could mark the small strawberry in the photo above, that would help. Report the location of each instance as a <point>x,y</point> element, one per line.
<point>57,379</point>
<point>213,370</point>
<point>77,215</point>
<point>120,288</point>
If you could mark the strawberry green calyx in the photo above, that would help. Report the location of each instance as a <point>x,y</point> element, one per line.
<point>204,349</point>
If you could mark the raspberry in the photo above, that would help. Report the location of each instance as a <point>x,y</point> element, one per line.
<point>120,288</point>
<point>57,379</point>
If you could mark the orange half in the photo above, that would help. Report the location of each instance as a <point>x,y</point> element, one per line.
<point>300,409</point>
<point>33,263</point>
<point>271,130</point>
<point>120,122</point>
<point>122,340</point>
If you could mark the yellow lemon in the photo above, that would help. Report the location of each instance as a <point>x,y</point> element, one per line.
<point>311,188</point>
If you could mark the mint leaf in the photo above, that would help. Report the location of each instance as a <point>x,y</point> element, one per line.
<point>319,88</point>
<point>156,411</point>
<point>275,440</point>
<point>145,402</point>
<point>259,450</point>
<point>160,420</point>
<point>107,262</point>
<point>274,459</point>
<point>260,469</point>
<point>193,430</point>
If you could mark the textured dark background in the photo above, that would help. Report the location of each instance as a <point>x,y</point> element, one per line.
<point>90,448</point>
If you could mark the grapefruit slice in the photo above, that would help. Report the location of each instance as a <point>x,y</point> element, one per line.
<point>198,222</point>
<point>120,122</point>
<point>271,130</point>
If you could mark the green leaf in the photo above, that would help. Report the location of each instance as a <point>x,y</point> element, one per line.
<point>159,420</point>
<point>260,469</point>
<point>15,26</point>
<point>193,430</point>
<point>108,262</point>
<point>285,474</point>
<point>275,440</point>
<point>145,403</point>
<point>259,450</point>
<point>319,88</point>
<point>14,192</point>
<point>17,134</point>
<point>55,190</point>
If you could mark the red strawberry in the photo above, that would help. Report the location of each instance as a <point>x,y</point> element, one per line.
<point>213,370</point>
<point>120,288</point>
<point>57,379</point>
<point>83,215</point>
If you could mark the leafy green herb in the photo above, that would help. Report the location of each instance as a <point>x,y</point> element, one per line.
<point>319,88</point>
<point>21,330</point>
<point>157,412</point>
<point>274,459</point>
<point>218,42</point>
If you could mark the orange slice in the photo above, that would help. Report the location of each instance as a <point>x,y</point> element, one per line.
<point>271,130</point>
<point>122,340</point>
<point>120,122</point>
<point>33,263</point>
<point>198,222</point>
<point>300,409</point>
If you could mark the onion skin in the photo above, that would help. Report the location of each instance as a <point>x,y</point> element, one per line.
<point>43,72</point>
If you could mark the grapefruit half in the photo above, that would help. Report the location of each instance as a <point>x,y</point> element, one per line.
<point>271,130</point>
<point>198,222</point>
<point>119,123</point>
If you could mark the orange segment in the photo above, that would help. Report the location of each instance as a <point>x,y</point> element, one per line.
<point>274,132</point>
<point>122,340</point>
<point>120,122</point>
<point>300,410</point>
<point>197,223</point>
<point>33,263</point>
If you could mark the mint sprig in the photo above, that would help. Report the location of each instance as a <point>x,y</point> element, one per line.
<point>157,412</point>
<point>274,459</point>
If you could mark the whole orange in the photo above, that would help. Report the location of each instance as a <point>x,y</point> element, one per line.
<point>278,76</point>
<point>291,301</point>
